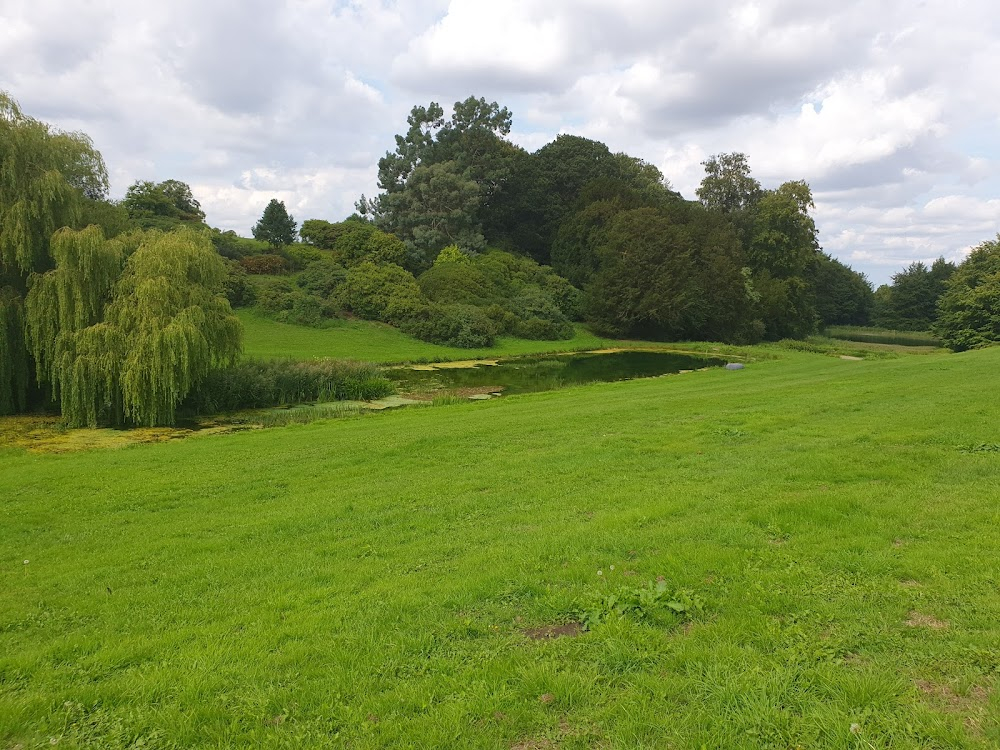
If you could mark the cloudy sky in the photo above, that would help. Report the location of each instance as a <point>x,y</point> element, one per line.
<point>890,110</point>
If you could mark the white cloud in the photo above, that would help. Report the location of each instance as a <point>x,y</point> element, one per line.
<point>889,110</point>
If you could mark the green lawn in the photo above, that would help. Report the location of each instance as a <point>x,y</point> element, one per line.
<point>366,582</point>
<point>377,342</point>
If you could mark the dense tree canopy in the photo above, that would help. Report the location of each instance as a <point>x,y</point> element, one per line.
<point>728,185</point>
<point>162,205</point>
<point>969,308</point>
<point>672,274</point>
<point>842,296</point>
<point>116,330</point>
<point>910,303</point>
<point>45,178</point>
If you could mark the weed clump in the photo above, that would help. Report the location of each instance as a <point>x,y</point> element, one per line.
<point>653,602</point>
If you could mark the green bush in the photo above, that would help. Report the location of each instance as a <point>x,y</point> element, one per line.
<point>321,278</point>
<point>230,245</point>
<point>543,330</point>
<point>261,383</point>
<point>456,282</point>
<point>303,309</point>
<point>454,325</point>
<point>300,256</point>
<point>274,294</point>
<point>368,289</point>
<point>359,242</point>
<point>239,291</point>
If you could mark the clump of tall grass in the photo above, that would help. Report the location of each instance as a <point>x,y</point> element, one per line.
<point>305,415</point>
<point>448,399</point>
<point>883,336</point>
<point>254,384</point>
<point>833,347</point>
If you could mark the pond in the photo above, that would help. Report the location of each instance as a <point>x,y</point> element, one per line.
<point>485,378</point>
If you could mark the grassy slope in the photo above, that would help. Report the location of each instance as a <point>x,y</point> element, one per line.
<point>363,582</point>
<point>376,342</point>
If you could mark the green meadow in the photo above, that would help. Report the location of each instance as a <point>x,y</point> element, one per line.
<point>801,554</point>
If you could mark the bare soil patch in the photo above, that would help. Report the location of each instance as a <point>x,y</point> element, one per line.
<point>919,620</point>
<point>548,632</point>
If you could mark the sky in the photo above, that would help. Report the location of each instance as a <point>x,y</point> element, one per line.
<point>890,110</point>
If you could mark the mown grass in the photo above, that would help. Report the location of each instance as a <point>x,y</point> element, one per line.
<point>368,582</point>
<point>883,336</point>
<point>380,343</point>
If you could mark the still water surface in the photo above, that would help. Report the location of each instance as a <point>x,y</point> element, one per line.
<point>544,372</point>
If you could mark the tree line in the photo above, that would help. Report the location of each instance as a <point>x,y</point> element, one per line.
<point>117,311</point>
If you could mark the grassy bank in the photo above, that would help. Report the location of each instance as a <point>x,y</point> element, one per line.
<point>826,526</point>
<point>884,336</point>
<point>377,342</point>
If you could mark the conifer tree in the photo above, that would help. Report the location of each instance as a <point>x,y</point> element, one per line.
<point>275,226</point>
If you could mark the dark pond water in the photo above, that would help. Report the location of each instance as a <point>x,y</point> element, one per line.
<point>545,372</point>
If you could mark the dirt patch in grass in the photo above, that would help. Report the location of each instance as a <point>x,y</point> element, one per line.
<point>919,620</point>
<point>539,743</point>
<point>973,703</point>
<point>946,696</point>
<point>548,632</point>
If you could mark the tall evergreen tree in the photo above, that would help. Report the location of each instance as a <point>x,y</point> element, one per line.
<point>275,226</point>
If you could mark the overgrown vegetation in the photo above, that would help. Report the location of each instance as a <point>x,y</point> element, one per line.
<point>253,384</point>
<point>882,336</point>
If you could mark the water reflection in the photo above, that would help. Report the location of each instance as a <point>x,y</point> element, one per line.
<point>544,372</point>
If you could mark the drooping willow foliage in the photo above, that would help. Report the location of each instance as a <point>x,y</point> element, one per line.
<point>176,324</point>
<point>127,344</point>
<point>14,365</point>
<point>71,296</point>
<point>44,175</point>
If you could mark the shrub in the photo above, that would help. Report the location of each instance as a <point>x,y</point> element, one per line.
<point>268,263</point>
<point>368,289</point>
<point>504,320</point>
<point>454,325</point>
<point>321,278</point>
<point>274,295</point>
<point>320,233</point>
<point>300,256</point>
<point>230,245</point>
<point>543,330</point>
<point>239,291</point>
<point>455,282</point>
<point>255,384</point>
<point>303,309</point>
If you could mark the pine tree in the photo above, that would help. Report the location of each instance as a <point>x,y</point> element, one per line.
<point>276,226</point>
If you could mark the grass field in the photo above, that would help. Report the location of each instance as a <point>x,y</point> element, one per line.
<point>377,342</point>
<point>829,527</point>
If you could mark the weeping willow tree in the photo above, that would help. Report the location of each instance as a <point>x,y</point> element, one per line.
<point>170,310</point>
<point>14,365</point>
<point>73,351</point>
<point>124,329</point>
<point>44,176</point>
